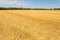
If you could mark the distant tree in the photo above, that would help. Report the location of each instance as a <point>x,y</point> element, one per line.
<point>14,8</point>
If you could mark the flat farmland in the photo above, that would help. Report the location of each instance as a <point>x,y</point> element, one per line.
<point>29,24</point>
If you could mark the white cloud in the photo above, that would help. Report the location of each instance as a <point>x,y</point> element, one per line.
<point>13,3</point>
<point>10,2</point>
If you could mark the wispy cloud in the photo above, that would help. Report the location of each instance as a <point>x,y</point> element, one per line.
<point>11,2</point>
<point>14,3</point>
<point>8,2</point>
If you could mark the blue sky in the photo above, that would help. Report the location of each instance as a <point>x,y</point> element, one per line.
<point>30,3</point>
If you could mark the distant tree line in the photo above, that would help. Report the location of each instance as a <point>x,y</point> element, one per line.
<point>14,8</point>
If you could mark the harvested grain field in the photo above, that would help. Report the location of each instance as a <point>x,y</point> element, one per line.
<point>29,25</point>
